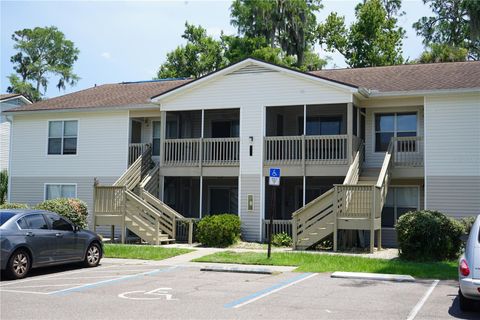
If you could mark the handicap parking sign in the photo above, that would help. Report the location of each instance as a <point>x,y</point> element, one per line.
<point>274,178</point>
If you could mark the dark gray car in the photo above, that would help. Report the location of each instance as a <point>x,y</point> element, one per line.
<point>35,238</point>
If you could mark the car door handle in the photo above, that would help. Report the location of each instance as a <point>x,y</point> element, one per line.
<point>59,235</point>
<point>30,234</point>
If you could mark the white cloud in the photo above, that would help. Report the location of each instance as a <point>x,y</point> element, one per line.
<point>106,55</point>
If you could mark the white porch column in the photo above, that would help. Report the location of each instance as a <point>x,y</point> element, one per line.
<point>349,131</point>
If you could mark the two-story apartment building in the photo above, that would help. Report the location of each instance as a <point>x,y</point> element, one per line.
<point>356,148</point>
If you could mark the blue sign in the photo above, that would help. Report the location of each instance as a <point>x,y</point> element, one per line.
<point>275,172</point>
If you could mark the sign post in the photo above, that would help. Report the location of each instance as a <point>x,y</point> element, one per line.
<point>274,181</point>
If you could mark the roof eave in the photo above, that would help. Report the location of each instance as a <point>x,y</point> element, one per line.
<point>413,93</point>
<point>140,106</point>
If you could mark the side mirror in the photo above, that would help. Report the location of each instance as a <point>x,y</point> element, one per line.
<point>464,237</point>
<point>76,228</point>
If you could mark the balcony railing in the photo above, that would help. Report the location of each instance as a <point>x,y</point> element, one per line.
<point>329,149</point>
<point>135,150</point>
<point>212,151</point>
<point>408,151</point>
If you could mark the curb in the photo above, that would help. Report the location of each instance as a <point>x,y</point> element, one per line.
<point>238,270</point>
<point>373,276</point>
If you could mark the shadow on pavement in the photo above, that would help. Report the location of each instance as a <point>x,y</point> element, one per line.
<point>455,311</point>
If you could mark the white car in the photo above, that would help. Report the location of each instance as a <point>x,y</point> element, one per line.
<point>469,270</point>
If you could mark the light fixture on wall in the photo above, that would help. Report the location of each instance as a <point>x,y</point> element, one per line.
<point>250,139</point>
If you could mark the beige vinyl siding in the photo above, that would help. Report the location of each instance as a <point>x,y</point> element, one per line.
<point>452,154</point>
<point>251,184</point>
<point>31,190</point>
<point>375,159</point>
<point>102,145</point>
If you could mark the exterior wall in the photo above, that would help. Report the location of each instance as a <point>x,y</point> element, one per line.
<point>102,145</point>
<point>375,159</point>
<point>252,92</point>
<point>452,154</point>
<point>5,131</point>
<point>31,190</point>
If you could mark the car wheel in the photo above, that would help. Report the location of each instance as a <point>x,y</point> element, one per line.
<point>465,303</point>
<point>92,258</point>
<point>19,264</point>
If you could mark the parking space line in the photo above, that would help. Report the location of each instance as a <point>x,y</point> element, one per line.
<point>22,291</point>
<point>50,276</point>
<point>268,291</point>
<point>422,301</point>
<point>104,282</point>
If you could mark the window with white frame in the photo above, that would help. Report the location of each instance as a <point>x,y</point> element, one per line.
<point>54,191</point>
<point>389,125</point>
<point>62,137</point>
<point>400,200</point>
<point>156,138</point>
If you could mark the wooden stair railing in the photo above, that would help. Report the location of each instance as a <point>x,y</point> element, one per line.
<point>137,171</point>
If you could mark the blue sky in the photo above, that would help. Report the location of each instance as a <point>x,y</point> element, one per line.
<point>128,40</point>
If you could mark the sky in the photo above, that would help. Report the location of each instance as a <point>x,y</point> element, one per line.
<point>128,40</point>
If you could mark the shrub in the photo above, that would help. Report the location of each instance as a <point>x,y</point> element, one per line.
<point>219,230</point>
<point>3,186</point>
<point>282,239</point>
<point>13,206</point>
<point>74,210</point>
<point>428,235</point>
<point>467,224</point>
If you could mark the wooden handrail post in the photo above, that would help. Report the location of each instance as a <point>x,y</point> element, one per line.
<point>157,227</point>
<point>294,233</point>
<point>124,212</point>
<point>190,231</point>
<point>335,214</point>
<point>174,227</point>
<point>372,218</point>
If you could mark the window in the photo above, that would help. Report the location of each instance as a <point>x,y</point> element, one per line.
<point>5,216</point>
<point>58,223</point>
<point>400,200</point>
<point>54,191</point>
<point>156,138</point>
<point>22,224</point>
<point>36,221</point>
<point>321,125</point>
<point>62,137</point>
<point>389,125</point>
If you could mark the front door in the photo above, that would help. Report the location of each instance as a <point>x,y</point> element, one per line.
<point>69,245</point>
<point>136,134</point>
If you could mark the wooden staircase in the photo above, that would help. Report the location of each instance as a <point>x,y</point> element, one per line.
<point>354,205</point>
<point>130,203</point>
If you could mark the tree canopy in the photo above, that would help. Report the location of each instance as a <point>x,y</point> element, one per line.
<point>41,53</point>
<point>374,39</point>
<point>454,24</point>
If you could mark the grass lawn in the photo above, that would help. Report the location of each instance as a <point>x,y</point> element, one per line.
<point>308,262</point>
<point>141,252</point>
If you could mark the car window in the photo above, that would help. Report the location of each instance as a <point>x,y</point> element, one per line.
<point>22,224</point>
<point>36,221</point>
<point>5,216</point>
<point>58,223</point>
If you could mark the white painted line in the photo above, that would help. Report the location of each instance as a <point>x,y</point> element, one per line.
<point>373,276</point>
<point>49,276</point>
<point>44,286</point>
<point>21,291</point>
<point>266,292</point>
<point>422,301</point>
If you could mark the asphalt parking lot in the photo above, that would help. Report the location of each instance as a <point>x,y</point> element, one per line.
<point>148,291</point>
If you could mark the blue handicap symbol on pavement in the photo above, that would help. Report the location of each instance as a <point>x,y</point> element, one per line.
<point>274,172</point>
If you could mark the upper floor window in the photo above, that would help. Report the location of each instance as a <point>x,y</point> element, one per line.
<point>389,125</point>
<point>62,137</point>
<point>54,191</point>
<point>156,138</point>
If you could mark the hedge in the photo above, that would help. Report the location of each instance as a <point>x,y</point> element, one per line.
<point>219,230</point>
<point>73,209</point>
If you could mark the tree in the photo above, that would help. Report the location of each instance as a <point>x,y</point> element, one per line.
<point>374,39</point>
<point>286,24</point>
<point>201,55</point>
<point>439,52</point>
<point>42,52</point>
<point>455,23</point>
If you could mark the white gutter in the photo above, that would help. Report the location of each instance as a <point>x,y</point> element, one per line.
<point>10,138</point>
<point>147,106</point>
<point>376,94</point>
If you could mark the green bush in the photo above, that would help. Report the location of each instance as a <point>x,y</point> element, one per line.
<point>467,224</point>
<point>13,206</point>
<point>428,235</point>
<point>219,230</point>
<point>282,239</point>
<point>3,186</point>
<point>73,209</point>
